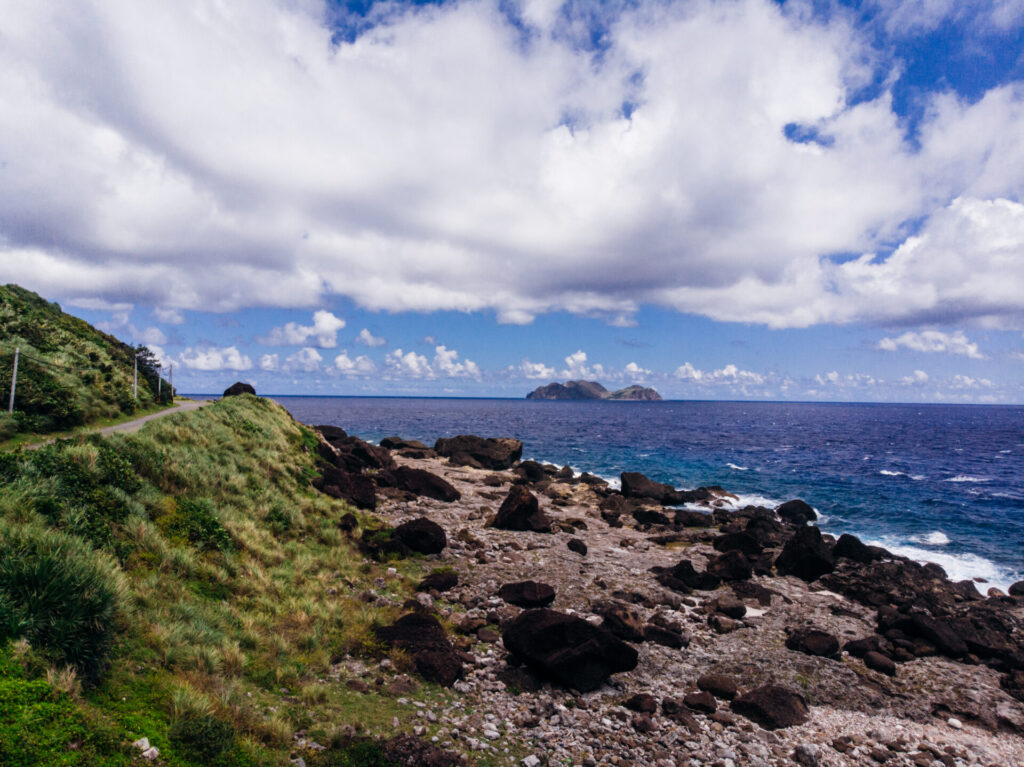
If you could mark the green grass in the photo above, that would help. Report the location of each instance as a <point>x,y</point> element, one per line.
<point>237,584</point>
<point>25,439</point>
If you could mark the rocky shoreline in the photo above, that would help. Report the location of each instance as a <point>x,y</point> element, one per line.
<point>582,624</point>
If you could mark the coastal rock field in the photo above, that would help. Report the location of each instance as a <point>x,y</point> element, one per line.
<point>606,628</point>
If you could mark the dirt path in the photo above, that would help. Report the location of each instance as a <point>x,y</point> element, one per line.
<point>135,425</point>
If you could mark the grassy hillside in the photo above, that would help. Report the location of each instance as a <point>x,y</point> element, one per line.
<point>186,584</point>
<point>69,373</point>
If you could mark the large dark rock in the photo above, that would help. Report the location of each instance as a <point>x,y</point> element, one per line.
<point>237,388</point>
<point>520,511</point>
<point>621,620</point>
<point>805,555</point>
<point>773,707</point>
<point>355,455</point>
<point>636,485</point>
<point>1016,589</point>
<point>731,566</point>
<point>666,637</point>
<point>702,701</point>
<point>422,535</point>
<point>567,649</point>
<point>683,577</point>
<point>645,516</point>
<point>480,453</point>
<point>743,542</point>
<point>443,580</point>
<point>397,443</point>
<point>531,471</point>
<point>796,512</point>
<point>814,642</point>
<point>357,489</point>
<point>689,518</point>
<point>851,547</point>
<point>719,685</point>
<point>423,637</point>
<point>527,594</point>
<point>331,433</point>
<point>422,482</point>
<point>883,664</point>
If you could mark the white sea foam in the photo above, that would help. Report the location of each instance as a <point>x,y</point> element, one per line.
<point>958,567</point>
<point>934,538</point>
<point>737,468</point>
<point>967,478</point>
<point>887,473</point>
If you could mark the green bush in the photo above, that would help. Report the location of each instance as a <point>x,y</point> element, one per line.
<point>361,753</point>
<point>60,595</point>
<point>202,736</point>
<point>8,426</point>
<point>196,521</point>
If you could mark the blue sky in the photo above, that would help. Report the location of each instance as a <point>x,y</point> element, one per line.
<point>724,200</point>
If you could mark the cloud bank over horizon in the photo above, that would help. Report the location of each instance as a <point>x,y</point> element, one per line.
<point>743,161</point>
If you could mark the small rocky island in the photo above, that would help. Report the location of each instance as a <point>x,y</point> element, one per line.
<point>593,390</point>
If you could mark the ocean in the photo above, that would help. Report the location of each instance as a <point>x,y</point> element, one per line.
<point>939,483</point>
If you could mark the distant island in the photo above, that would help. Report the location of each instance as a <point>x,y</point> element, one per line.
<point>592,390</point>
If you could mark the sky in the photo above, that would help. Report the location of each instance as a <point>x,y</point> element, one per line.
<point>742,199</point>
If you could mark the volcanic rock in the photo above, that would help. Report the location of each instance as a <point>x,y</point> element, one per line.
<point>423,637</point>
<point>814,642</point>
<point>621,620</point>
<point>666,637</point>
<point>850,547</point>
<point>575,544</point>
<point>719,685</point>
<point>702,701</point>
<point>730,566</point>
<point>527,594</point>
<point>567,649</point>
<point>354,488</point>
<point>743,542</point>
<point>237,388</point>
<point>642,703</point>
<point>727,604</point>
<point>422,535</point>
<point>878,662</point>
<point>421,482</point>
<point>805,555</point>
<point>773,707</point>
<point>480,453</point>
<point>443,580</point>
<point>520,511</point>
<point>796,512</point>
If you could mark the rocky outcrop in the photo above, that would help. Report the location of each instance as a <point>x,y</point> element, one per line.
<point>424,639</point>
<point>527,594</point>
<point>422,482</point>
<point>773,707</point>
<point>592,390</point>
<point>239,387</point>
<point>520,511</point>
<point>356,489</point>
<point>479,452</point>
<point>422,536</point>
<point>814,642</point>
<point>567,649</point>
<point>806,555</point>
<point>796,512</point>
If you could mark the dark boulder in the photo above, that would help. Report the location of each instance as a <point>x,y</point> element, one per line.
<point>806,555</point>
<point>813,642</point>
<point>719,685</point>
<point>480,453</point>
<point>689,518</point>
<point>677,711</point>
<point>424,639</point>
<point>357,489</point>
<point>684,575</point>
<point>742,542</point>
<point>728,604</point>
<point>527,594</point>
<point>567,649</point>
<point>880,663</point>
<point>239,388</point>
<point>621,620</point>
<point>443,580</point>
<point>1016,589</point>
<point>410,750</point>
<point>421,482</point>
<point>796,512</point>
<point>422,535</point>
<point>520,511</point>
<point>636,485</point>
<point>575,544</point>
<point>397,443</point>
<point>332,433</point>
<point>665,636</point>
<point>531,471</point>
<point>642,703</point>
<point>773,707</point>
<point>851,547</point>
<point>702,701</point>
<point>767,531</point>
<point>644,516</point>
<point>731,566</point>
<point>858,648</point>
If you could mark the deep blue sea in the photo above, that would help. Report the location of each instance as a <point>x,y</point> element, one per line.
<point>943,483</point>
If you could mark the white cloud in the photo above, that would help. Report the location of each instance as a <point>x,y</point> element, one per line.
<point>409,364</point>
<point>729,374</point>
<point>163,359</point>
<point>446,363</point>
<point>536,370</point>
<point>150,336</point>
<point>576,367</point>
<point>367,338</point>
<point>855,380</point>
<point>175,180</point>
<point>305,360</point>
<point>215,358</point>
<point>324,331</point>
<point>933,341</point>
<point>360,366</point>
<point>967,382</point>
<point>168,316</point>
<point>917,378</point>
<point>634,372</point>
<point>269,362</point>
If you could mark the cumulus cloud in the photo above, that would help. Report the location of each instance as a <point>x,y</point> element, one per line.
<point>968,382</point>
<point>535,370</point>
<point>169,316</point>
<point>305,360</point>
<point>446,363</point>
<point>409,364</point>
<point>150,336</point>
<point>917,378</point>
<point>324,331</point>
<point>360,366</point>
<point>634,372</point>
<point>745,158</point>
<point>834,378</point>
<point>269,362</point>
<point>367,338</point>
<point>215,358</point>
<point>933,341</point>
<point>576,367</point>
<point>730,374</point>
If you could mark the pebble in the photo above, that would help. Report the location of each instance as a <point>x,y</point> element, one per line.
<point>955,723</point>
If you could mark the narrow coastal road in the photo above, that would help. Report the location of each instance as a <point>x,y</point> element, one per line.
<point>135,425</point>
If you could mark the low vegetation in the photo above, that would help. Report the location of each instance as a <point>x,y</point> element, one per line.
<point>69,373</point>
<point>184,584</point>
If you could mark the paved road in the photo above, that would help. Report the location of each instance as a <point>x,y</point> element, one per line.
<point>130,426</point>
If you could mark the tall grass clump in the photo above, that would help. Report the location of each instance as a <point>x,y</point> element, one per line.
<point>60,595</point>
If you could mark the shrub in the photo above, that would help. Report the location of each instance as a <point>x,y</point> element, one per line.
<point>196,522</point>
<point>8,426</point>
<point>361,753</point>
<point>60,595</point>
<point>202,736</point>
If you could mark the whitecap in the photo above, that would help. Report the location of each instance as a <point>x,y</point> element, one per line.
<point>958,567</point>
<point>737,468</point>
<point>967,478</point>
<point>934,538</point>
<point>918,477</point>
<point>887,473</point>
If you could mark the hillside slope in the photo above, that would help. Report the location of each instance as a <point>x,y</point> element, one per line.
<point>591,390</point>
<point>69,373</point>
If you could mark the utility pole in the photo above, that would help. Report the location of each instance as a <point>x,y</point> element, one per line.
<point>135,378</point>
<point>159,383</point>
<point>14,381</point>
<point>170,382</point>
